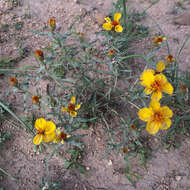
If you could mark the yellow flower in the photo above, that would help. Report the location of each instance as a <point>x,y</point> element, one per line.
<point>52,24</point>
<point>160,66</point>
<point>61,137</point>
<point>72,108</point>
<point>155,84</point>
<point>156,117</point>
<point>158,40</point>
<point>170,59</point>
<point>35,99</point>
<point>113,25</point>
<point>45,131</point>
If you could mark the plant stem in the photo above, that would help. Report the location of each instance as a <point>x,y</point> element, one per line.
<point>125,13</point>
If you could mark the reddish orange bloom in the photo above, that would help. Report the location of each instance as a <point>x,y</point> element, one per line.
<point>124,150</point>
<point>111,52</point>
<point>158,40</point>
<point>39,54</point>
<point>170,59</point>
<point>13,81</point>
<point>183,88</point>
<point>133,127</point>
<point>52,24</point>
<point>35,99</point>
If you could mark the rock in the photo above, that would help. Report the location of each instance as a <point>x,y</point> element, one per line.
<point>178,178</point>
<point>183,19</point>
<point>110,163</point>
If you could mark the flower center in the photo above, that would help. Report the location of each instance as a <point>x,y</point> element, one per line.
<point>158,116</point>
<point>156,86</point>
<point>71,107</point>
<point>159,39</point>
<point>63,136</point>
<point>40,132</point>
<point>115,23</point>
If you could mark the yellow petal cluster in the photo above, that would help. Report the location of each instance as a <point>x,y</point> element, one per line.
<point>160,66</point>
<point>113,25</point>
<point>155,84</point>
<point>158,40</point>
<point>60,137</point>
<point>45,131</point>
<point>156,117</point>
<point>72,108</point>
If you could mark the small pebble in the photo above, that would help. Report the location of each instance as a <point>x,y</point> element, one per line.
<point>110,163</point>
<point>178,178</point>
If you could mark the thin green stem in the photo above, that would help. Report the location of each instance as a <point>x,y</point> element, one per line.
<point>125,13</point>
<point>6,173</point>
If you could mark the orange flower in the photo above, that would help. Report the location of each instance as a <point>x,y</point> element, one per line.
<point>13,81</point>
<point>158,40</point>
<point>39,54</point>
<point>183,88</point>
<point>124,150</point>
<point>52,24</point>
<point>111,52</point>
<point>35,99</point>
<point>133,127</point>
<point>170,59</point>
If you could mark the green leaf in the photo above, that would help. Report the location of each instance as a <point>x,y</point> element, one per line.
<point>67,164</point>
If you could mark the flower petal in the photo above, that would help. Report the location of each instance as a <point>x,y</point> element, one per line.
<point>37,139</point>
<point>156,96</point>
<point>166,124</point>
<point>167,112</point>
<point>64,109</point>
<point>155,105</point>
<point>107,19</point>
<point>73,100</point>
<point>117,16</point>
<point>107,26</point>
<point>145,114</point>
<point>77,107</point>
<point>40,124</point>
<point>153,127</point>
<point>148,90</point>
<point>161,77</point>
<point>49,137</point>
<point>118,28</point>
<point>73,113</point>
<point>160,66</point>
<point>147,77</point>
<point>49,127</point>
<point>168,88</point>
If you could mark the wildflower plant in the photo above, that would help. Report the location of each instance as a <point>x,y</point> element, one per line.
<point>86,85</point>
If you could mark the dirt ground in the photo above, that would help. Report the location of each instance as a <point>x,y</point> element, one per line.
<point>167,170</point>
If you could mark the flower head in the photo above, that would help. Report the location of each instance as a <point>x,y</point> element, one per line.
<point>39,54</point>
<point>111,52</point>
<point>158,40</point>
<point>52,24</point>
<point>61,137</point>
<point>35,99</point>
<point>133,127</point>
<point>160,66</point>
<point>124,150</point>
<point>155,84</point>
<point>170,59</point>
<point>156,117</point>
<point>45,131</point>
<point>183,88</point>
<point>72,108</point>
<point>13,81</point>
<point>113,25</point>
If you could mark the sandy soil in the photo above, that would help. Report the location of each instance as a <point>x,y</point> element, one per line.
<point>167,170</point>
